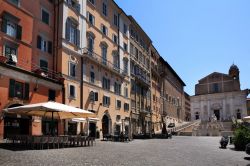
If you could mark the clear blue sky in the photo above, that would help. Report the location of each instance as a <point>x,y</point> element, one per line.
<point>197,37</point>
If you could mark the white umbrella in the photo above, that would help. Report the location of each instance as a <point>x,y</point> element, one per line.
<point>84,119</point>
<point>247,118</point>
<point>51,110</point>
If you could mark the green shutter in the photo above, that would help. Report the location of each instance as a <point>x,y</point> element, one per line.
<point>26,91</point>
<point>4,25</point>
<point>96,96</point>
<point>12,88</point>
<point>19,32</point>
<point>39,39</point>
<point>50,47</point>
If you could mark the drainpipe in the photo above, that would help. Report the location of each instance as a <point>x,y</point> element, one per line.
<point>81,86</point>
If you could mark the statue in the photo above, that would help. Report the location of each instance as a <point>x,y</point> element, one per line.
<point>214,118</point>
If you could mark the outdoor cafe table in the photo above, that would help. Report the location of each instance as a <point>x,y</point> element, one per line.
<point>38,141</point>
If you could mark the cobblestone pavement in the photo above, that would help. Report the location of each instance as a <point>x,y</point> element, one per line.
<point>178,151</point>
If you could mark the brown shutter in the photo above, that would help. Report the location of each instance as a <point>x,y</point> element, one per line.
<point>12,88</point>
<point>26,91</point>
<point>19,32</point>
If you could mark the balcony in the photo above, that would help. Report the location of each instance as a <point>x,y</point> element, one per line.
<point>28,66</point>
<point>95,58</point>
<point>141,79</point>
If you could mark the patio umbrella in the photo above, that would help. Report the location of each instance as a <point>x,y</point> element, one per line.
<point>247,119</point>
<point>51,110</point>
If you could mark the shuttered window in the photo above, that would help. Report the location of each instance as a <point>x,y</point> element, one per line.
<point>18,90</point>
<point>72,33</point>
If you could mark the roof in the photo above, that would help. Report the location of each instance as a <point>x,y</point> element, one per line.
<point>172,70</point>
<point>136,23</point>
<point>226,75</point>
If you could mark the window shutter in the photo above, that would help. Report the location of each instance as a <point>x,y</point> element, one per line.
<point>26,91</point>
<point>96,96</point>
<point>108,82</point>
<point>103,100</point>
<point>108,100</point>
<point>4,25</point>
<point>67,30</point>
<point>12,88</point>
<point>78,7</point>
<point>78,37</point>
<point>19,32</point>
<point>39,40</point>
<point>50,47</point>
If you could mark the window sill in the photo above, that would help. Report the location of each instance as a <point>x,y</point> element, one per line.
<point>106,106</point>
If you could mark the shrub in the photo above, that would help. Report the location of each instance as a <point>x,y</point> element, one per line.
<point>241,137</point>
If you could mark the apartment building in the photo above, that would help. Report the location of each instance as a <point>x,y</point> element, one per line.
<point>172,94</point>
<point>187,107</point>
<point>26,68</point>
<point>248,106</point>
<point>140,79</point>
<point>157,113</point>
<point>106,82</point>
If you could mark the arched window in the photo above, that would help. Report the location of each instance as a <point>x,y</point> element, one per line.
<point>104,54</point>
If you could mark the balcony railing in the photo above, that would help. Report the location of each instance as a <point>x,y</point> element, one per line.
<point>104,62</point>
<point>27,65</point>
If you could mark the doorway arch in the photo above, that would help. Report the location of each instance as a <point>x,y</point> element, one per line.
<point>106,124</point>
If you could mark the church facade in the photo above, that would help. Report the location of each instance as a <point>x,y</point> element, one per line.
<point>219,95</point>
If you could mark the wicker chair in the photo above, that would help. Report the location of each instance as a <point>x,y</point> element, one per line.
<point>44,140</point>
<point>50,141</point>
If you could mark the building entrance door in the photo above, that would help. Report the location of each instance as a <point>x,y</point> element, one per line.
<point>105,125</point>
<point>217,114</point>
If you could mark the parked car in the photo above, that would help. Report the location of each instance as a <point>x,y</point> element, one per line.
<point>171,125</point>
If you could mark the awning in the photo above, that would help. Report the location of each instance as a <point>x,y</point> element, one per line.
<point>85,119</point>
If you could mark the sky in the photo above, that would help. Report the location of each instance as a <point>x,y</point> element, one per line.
<point>197,37</point>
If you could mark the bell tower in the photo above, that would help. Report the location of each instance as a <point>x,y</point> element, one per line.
<point>234,71</point>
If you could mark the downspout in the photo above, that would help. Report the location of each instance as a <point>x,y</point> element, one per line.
<point>81,86</point>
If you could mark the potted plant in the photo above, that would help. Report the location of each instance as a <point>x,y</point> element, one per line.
<point>3,59</point>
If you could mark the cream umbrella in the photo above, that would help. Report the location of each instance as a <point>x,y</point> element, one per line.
<point>51,110</point>
<point>246,119</point>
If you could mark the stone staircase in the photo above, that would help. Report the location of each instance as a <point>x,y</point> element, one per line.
<point>185,128</point>
<point>215,128</point>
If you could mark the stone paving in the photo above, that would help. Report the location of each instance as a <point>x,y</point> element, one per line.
<point>186,151</point>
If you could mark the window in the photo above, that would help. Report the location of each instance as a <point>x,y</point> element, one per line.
<point>92,2</point>
<point>10,26</point>
<point>115,20</point>
<point>118,104</point>
<point>45,17</point>
<point>74,4</point>
<point>133,103</point>
<point>44,44</point>
<point>18,90</point>
<point>91,43</point>
<point>125,66</point>
<point>117,88</point>
<point>105,83</point>
<point>92,77</point>
<point>11,54</point>
<point>72,69</point>
<point>43,65</point>
<point>15,2</point>
<point>197,116</point>
<point>125,47</point>
<point>126,106</point>
<point>104,9</point>
<point>116,61</point>
<point>104,30</point>
<point>125,29</point>
<point>126,92</point>
<point>72,33</point>
<point>93,96</point>
<point>72,91</point>
<point>216,87</point>
<point>238,114</point>
<point>91,18</point>
<point>104,55</point>
<point>115,39</point>
<point>52,95</point>
<point>106,101</point>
